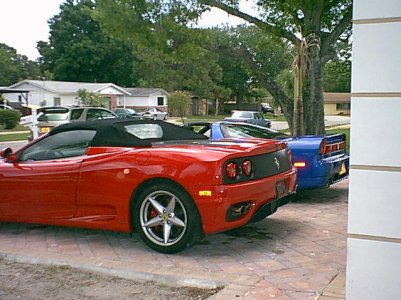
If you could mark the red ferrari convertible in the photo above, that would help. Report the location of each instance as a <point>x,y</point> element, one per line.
<point>169,184</point>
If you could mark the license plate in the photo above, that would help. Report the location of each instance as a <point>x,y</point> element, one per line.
<point>44,129</point>
<point>281,189</point>
<point>343,169</point>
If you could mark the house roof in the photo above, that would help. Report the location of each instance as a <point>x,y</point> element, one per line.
<point>7,90</point>
<point>66,87</point>
<point>144,92</point>
<point>337,98</point>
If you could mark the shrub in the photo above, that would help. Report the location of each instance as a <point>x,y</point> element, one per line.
<point>91,99</point>
<point>179,104</point>
<point>9,118</point>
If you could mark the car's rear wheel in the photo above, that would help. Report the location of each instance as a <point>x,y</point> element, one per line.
<point>166,218</point>
<point>165,117</point>
<point>155,117</point>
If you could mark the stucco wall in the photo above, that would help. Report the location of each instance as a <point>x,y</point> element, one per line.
<point>330,109</point>
<point>374,225</point>
<point>142,101</point>
<point>36,95</point>
<point>67,100</point>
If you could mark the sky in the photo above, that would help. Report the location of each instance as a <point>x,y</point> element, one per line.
<point>24,22</point>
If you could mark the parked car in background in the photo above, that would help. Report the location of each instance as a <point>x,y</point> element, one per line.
<point>169,184</point>
<point>126,113</point>
<point>154,113</point>
<point>266,108</point>
<point>321,160</point>
<point>50,117</point>
<point>252,117</point>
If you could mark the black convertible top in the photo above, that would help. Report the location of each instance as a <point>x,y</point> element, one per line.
<point>112,132</point>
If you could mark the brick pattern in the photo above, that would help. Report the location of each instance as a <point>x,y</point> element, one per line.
<point>293,254</point>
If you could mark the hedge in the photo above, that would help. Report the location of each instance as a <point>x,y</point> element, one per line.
<point>9,118</point>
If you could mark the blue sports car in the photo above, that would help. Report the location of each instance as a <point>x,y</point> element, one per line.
<point>321,160</point>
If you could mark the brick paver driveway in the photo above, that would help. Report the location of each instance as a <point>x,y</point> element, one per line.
<point>293,254</point>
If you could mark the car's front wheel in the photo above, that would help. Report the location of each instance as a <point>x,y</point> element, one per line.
<point>166,218</point>
<point>154,117</point>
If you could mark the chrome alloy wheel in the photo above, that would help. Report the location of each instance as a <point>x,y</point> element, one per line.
<point>163,218</point>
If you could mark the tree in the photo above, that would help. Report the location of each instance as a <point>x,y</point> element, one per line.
<point>91,99</point>
<point>238,49</point>
<point>261,57</point>
<point>300,68</point>
<point>78,50</point>
<point>168,53</point>
<point>293,20</point>
<point>236,77</point>
<point>337,76</point>
<point>179,103</point>
<point>15,67</point>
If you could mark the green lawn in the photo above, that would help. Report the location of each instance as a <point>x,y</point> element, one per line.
<point>203,118</point>
<point>346,131</point>
<point>7,135</point>
<point>17,128</point>
<point>13,137</point>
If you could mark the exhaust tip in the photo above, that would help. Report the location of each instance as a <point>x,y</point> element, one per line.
<point>238,210</point>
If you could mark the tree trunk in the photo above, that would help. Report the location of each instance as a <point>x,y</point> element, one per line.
<point>314,113</point>
<point>217,107</point>
<point>285,103</point>
<point>298,120</point>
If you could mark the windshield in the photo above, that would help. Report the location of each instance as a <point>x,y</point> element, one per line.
<point>248,131</point>
<point>53,116</point>
<point>130,111</point>
<point>242,114</point>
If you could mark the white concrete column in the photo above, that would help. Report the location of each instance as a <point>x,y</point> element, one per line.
<point>374,223</point>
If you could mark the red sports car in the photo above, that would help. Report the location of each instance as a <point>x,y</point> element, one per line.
<point>171,185</point>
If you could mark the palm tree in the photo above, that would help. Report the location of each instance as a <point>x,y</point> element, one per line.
<point>300,67</point>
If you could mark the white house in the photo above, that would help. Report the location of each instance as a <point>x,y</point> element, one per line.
<point>140,98</point>
<point>61,93</point>
<point>56,93</point>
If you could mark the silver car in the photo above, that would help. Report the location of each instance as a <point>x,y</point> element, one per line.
<point>155,114</point>
<point>252,117</point>
<point>50,117</point>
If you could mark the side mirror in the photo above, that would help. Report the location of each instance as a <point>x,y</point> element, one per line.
<point>8,154</point>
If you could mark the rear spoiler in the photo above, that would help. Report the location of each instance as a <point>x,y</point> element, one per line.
<point>333,144</point>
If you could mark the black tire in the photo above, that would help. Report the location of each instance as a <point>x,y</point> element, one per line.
<point>166,218</point>
<point>155,117</point>
<point>165,117</point>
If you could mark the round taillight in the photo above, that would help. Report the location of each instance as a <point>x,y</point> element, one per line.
<point>247,167</point>
<point>231,170</point>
